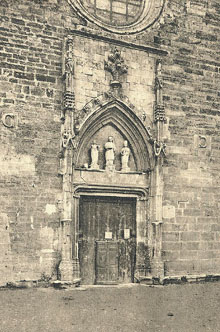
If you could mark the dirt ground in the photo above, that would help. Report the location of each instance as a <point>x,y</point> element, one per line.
<point>134,308</point>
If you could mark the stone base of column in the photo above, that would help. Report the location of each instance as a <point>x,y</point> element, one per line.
<point>94,166</point>
<point>76,269</point>
<point>125,170</point>
<point>157,269</point>
<point>69,271</point>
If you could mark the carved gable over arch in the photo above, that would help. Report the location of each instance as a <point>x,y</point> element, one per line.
<point>114,118</point>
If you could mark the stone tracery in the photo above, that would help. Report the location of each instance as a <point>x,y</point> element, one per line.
<point>129,18</point>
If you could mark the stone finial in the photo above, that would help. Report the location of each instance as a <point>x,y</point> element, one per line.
<point>116,66</point>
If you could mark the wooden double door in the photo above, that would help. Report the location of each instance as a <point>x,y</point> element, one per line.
<point>107,239</point>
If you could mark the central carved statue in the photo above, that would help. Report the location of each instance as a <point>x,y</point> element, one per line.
<point>110,154</point>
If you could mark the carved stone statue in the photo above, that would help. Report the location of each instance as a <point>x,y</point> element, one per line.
<point>69,74</point>
<point>110,154</point>
<point>94,156</point>
<point>125,153</point>
<point>159,84</point>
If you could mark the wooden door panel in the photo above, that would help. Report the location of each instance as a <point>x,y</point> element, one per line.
<point>101,256</point>
<point>127,258</point>
<point>87,261</point>
<point>106,261</point>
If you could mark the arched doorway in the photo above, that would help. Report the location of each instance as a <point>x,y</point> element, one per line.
<point>111,205</point>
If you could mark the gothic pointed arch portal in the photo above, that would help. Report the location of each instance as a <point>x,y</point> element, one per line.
<point>111,205</point>
<point>115,119</point>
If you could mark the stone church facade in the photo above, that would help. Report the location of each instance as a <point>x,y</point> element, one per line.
<point>110,146</point>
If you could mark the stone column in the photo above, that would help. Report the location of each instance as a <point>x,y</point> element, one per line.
<point>157,265</point>
<point>142,246</point>
<point>67,265</point>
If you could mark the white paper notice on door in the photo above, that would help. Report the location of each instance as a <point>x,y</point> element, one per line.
<point>108,235</point>
<point>127,233</point>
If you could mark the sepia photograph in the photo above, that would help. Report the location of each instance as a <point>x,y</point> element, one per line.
<point>109,165</point>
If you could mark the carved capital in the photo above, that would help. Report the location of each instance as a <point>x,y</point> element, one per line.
<point>157,223</point>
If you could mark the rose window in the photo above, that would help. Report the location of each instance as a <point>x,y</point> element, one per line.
<point>120,16</point>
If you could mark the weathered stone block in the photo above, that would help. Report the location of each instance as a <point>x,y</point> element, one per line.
<point>190,236</point>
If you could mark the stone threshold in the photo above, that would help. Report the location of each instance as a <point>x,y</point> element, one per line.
<point>169,280</point>
<point>144,281</point>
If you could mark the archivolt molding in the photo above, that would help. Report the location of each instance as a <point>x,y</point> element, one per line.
<point>108,110</point>
<point>107,98</point>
